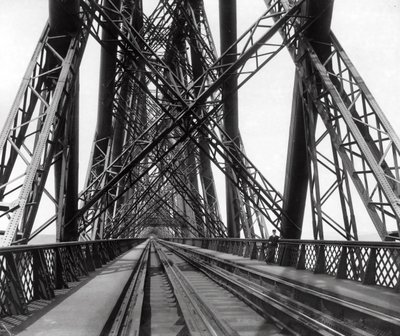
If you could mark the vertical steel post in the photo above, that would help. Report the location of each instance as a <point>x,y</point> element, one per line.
<point>106,86</point>
<point>205,171</point>
<point>296,179</point>
<point>228,34</point>
<point>193,182</point>
<point>70,232</point>
<point>104,129</point>
<point>64,19</point>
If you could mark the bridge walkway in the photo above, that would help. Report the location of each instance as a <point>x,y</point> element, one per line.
<point>85,311</point>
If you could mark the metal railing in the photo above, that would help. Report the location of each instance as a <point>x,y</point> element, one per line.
<point>370,263</point>
<point>32,272</point>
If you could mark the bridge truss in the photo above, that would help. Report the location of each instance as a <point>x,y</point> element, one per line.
<point>168,116</point>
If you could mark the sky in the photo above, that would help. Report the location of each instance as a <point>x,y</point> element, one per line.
<point>368,30</point>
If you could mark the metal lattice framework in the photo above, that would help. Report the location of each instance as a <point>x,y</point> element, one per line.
<point>164,121</point>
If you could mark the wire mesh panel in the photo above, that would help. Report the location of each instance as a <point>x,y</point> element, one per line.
<point>387,271</point>
<point>310,257</point>
<point>357,259</point>
<point>4,288</point>
<point>332,254</point>
<point>24,262</point>
<point>50,262</point>
<point>12,298</point>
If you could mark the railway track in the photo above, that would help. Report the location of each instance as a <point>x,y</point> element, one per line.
<point>291,302</point>
<point>173,292</point>
<point>167,296</point>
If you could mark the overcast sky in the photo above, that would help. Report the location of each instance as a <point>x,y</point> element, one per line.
<point>367,29</point>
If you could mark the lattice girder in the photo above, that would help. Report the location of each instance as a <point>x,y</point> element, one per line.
<point>360,133</point>
<point>182,111</point>
<point>131,209</point>
<point>33,126</point>
<point>186,113</point>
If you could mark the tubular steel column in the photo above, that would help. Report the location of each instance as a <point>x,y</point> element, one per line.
<point>192,178</point>
<point>205,171</point>
<point>64,19</point>
<point>228,33</point>
<point>296,180</point>
<point>106,95</point>
<point>106,87</point>
<point>67,172</point>
<point>133,10</point>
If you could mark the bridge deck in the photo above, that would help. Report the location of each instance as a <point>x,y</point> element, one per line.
<point>86,310</point>
<point>375,297</point>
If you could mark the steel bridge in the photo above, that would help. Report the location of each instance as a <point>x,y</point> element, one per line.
<point>167,124</point>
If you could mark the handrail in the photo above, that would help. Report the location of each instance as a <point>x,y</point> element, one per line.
<point>386,244</point>
<point>16,248</point>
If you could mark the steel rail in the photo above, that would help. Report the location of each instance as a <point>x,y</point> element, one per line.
<point>280,285</point>
<point>196,308</point>
<point>288,313</point>
<point>127,319</point>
